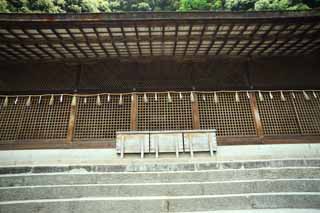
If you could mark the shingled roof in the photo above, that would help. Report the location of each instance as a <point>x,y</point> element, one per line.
<point>49,37</point>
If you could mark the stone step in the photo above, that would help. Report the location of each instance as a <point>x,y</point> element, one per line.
<point>158,189</point>
<point>80,177</point>
<point>166,203</point>
<point>147,166</point>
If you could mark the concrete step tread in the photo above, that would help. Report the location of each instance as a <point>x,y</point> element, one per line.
<point>157,177</point>
<point>165,203</point>
<point>165,183</point>
<point>158,197</point>
<point>261,211</point>
<point>161,166</point>
<point>162,189</point>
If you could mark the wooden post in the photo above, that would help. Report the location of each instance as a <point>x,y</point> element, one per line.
<point>195,113</point>
<point>134,112</point>
<point>256,116</point>
<point>71,125</point>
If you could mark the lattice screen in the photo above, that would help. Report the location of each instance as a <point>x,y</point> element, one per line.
<point>162,115</point>
<point>277,116</point>
<point>10,119</point>
<point>308,112</point>
<point>229,117</point>
<point>35,122</point>
<point>102,122</point>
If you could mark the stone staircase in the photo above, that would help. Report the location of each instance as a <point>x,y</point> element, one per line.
<point>246,186</point>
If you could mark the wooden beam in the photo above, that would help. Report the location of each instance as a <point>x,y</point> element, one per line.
<point>256,115</point>
<point>195,113</point>
<point>134,112</point>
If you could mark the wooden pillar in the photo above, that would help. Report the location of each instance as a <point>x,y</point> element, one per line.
<point>71,124</point>
<point>195,113</point>
<point>134,112</point>
<point>256,116</point>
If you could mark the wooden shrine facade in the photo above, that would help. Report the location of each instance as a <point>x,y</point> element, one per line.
<point>73,80</point>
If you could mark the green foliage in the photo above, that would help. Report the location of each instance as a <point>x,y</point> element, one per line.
<point>188,5</point>
<point>79,6</point>
<point>4,6</point>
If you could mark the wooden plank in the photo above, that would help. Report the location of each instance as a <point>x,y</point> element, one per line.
<point>134,112</point>
<point>195,113</point>
<point>71,124</point>
<point>256,116</point>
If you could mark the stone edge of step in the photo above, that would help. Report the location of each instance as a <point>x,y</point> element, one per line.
<point>162,167</point>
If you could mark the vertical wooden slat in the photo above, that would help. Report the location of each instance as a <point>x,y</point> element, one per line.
<point>195,113</point>
<point>71,124</point>
<point>256,116</point>
<point>134,112</point>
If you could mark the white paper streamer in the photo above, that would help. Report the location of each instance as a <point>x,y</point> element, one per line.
<point>155,96</point>
<point>120,100</point>
<point>180,95</point>
<point>248,95</point>
<point>261,96</point>
<point>169,98</point>
<point>215,97</point>
<point>74,101</point>
<point>271,96</point>
<point>293,95</point>
<point>28,101</point>
<point>314,94</point>
<point>282,96</point>
<point>61,98</point>
<point>98,100</point>
<point>108,98</point>
<point>16,101</point>
<point>6,101</point>
<point>40,98</point>
<point>306,96</point>
<point>85,100</point>
<point>145,98</point>
<point>51,100</point>
<point>237,97</point>
<point>191,97</point>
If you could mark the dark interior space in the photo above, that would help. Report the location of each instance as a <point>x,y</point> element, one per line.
<point>161,74</point>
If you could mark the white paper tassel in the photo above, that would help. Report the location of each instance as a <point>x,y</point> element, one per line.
<point>282,96</point>
<point>203,97</point>
<point>248,95</point>
<point>306,96</point>
<point>108,98</point>
<point>98,100</point>
<point>180,95</point>
<point>314,94</point>
<point>169,98</point>
<point>261,96</point>
<point>40,98</point>
<point>191,97</point>
<point>74,101</point>
<point>16,101</point>
<point>28,103</point>
<point>5,103</point>
<point>155,96</point>
<point>51,100</point>
<point>293,95</point>
<point>145,98</point>
<point>120,100</point>
<point>85,100</point>
<point>61,98</point>
<point>215,97</point>
<point>237,97</point>
<point>271,96</point>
